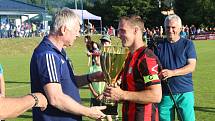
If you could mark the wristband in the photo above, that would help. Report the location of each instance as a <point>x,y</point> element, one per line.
<point>88,78</point>
<point>35,98</point>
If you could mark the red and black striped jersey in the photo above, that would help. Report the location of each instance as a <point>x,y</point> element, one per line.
<point>140,71</point>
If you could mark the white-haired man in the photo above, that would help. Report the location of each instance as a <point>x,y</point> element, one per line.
<point>52,74</point>
<point>178,58</point>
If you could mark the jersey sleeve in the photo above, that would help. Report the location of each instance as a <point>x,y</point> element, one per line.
<point>148,68</point>
<point>49,65</point>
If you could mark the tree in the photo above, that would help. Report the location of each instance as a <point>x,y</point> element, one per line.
<point>196,11</point>
<point>37,2</point>
<point>111,11</point>
<point>191,11</point>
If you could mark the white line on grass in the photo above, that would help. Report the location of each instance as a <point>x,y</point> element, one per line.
<point>16,87</point>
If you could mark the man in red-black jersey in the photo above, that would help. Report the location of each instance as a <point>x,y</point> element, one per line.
<point>140,88</point>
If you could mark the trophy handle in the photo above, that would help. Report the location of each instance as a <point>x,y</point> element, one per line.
<point>104,68</point>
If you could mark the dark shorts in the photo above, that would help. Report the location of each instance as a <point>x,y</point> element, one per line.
<point>110,110</point>
<point>95,102</point>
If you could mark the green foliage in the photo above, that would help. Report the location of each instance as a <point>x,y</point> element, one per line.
<point>196,12</point>
<point>37,2</point>
<point>191,11</point>
<point>111,11</point>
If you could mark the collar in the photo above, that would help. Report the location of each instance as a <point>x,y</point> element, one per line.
<point>49,43</point>
<point>139,49</point>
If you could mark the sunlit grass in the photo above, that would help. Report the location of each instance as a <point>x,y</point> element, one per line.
<point>15,57</point>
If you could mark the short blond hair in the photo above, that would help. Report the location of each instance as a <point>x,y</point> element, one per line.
<point>134,20</point>
<point>64,17</point>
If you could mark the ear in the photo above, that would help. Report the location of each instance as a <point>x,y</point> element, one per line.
<point>136,29</point>
<point>62,30</point>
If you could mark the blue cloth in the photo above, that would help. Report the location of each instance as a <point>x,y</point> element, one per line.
<point>49,65</point>
<point>173,56</point>
<point>183,34</point>
<point>1,70</point>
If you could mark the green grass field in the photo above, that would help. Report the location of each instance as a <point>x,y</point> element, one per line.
<point>15,57</point>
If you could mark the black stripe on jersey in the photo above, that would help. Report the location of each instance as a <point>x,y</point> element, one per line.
<point>124,84</point>
<point>139,82</point>
<point>152,83</point>
<point>154,107</point>
<point>139,112</point>
<point>126,104</point>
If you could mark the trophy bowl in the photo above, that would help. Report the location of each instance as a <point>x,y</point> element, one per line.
<point>112,61</point>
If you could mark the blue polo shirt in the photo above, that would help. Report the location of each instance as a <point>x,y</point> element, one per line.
<point>173,56</point>
<point>49,65</point>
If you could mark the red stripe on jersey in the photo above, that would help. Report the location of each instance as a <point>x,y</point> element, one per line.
<point>156,81</point>
<point>131,112</point>
<point>151,64</point>
<point>148,112</point>
<point>157,115</point>
<point>129,76</point>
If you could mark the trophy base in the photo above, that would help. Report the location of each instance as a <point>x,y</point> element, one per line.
<point>111,109</point>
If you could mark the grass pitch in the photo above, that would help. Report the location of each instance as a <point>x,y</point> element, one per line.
<point>15,57</point>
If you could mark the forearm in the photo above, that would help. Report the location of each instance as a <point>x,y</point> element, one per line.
<point>64,102</point>
<point>69,105</point>
<point>144,97</point>
<point>82,80</point>
<point>88,78</point>
<point>2,86</point>
<point>12,107</point>
<point>186,69</point>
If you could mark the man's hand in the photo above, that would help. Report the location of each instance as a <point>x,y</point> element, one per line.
<point>100,97</point>
<point>166,73</point>
<point>114,93</point>
<point>96,113</point>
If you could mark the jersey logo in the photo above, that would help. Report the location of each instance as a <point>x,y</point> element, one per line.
<point>154,69</point>
<point>130,70</point>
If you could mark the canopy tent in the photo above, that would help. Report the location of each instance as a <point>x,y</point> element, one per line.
<point>41,17</point>
<point>85,15</point>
